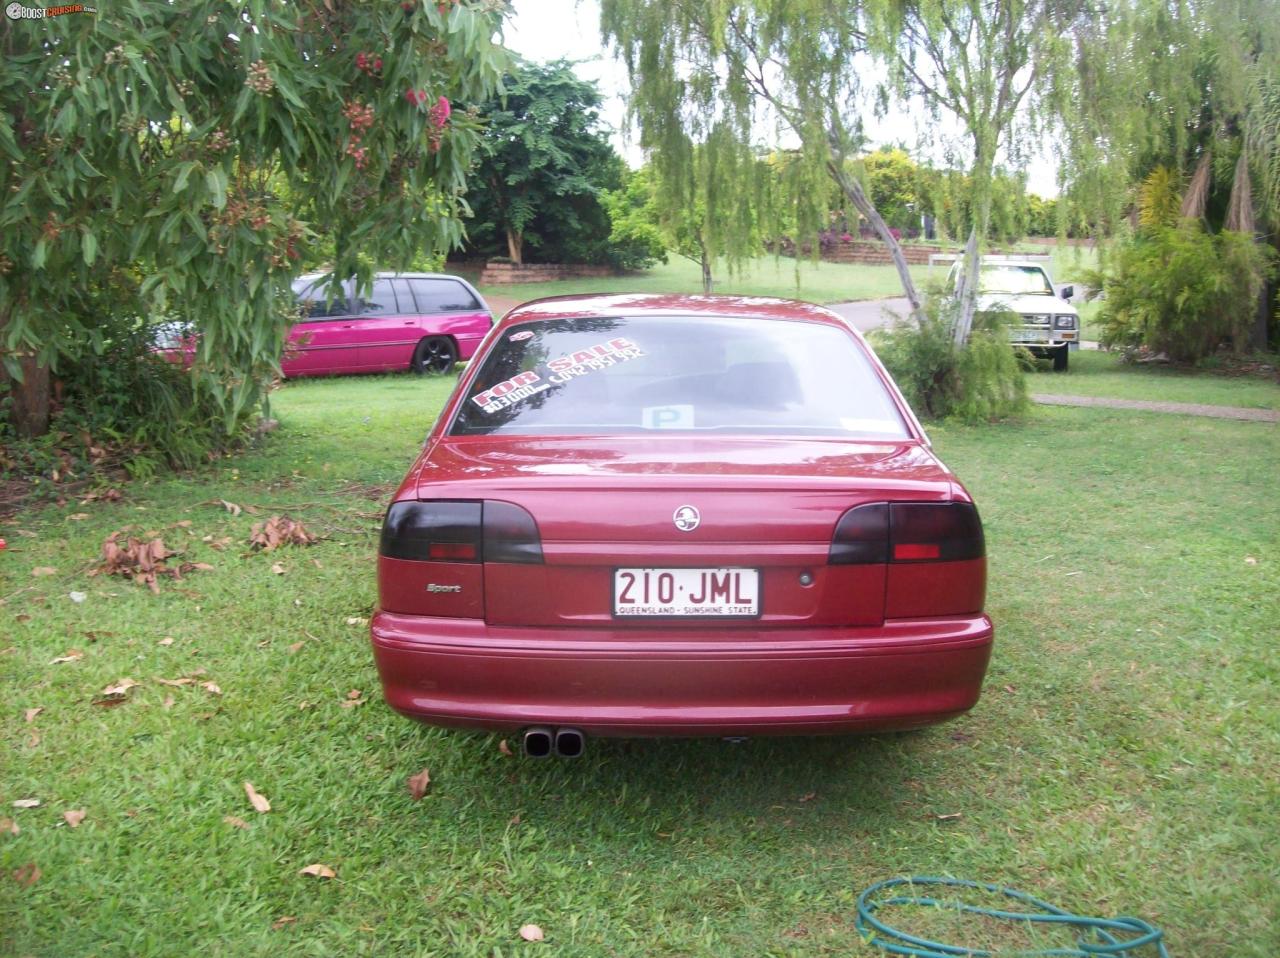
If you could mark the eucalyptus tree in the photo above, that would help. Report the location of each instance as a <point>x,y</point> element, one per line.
<point>711,80</point>
<point>177,159</point>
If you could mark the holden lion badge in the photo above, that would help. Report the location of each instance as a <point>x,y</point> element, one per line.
<point>686,518</point>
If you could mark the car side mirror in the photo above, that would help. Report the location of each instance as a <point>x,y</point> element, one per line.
<point>1067,292</point>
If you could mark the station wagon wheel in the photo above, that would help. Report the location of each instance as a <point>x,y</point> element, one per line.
<point>435,354</point>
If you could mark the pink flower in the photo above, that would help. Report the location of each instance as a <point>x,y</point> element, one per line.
<point>440,112</point>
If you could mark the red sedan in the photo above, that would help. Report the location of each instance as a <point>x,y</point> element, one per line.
<point>679,515</point>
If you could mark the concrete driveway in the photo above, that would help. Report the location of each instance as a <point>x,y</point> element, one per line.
<point>869,314</point>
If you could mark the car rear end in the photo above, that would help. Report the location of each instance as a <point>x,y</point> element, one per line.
<point>679,578</point>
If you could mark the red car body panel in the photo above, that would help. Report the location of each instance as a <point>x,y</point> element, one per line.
<point>505,645</point>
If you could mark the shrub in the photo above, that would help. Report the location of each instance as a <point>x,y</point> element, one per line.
<point>982,380</point>
<point>1182,291</point>
<point>144,411</point>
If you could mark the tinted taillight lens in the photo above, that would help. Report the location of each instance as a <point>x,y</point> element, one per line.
<point>861,536</point>
<point>935,531</point>
<point>907,532</point>
<point>460,531</point>
<point>510,534</point>
<point>441,531</point>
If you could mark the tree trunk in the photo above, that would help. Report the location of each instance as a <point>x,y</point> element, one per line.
<point>30,411</point>
<point>515,246</point>
<point>1261,319</point>
<point>980,207</point>
<point>706,267</point>
<point>967,291</point>
<point>852,190</point>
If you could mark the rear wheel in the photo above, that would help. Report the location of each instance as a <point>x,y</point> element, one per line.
<point>1061,356</point>
<point>435,355</point>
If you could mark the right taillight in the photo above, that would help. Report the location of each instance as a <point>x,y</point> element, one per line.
<point>934,532</point>
<point>879,532</point>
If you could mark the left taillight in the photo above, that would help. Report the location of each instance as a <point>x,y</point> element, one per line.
<point>443,530</point>
<point>436,531</point>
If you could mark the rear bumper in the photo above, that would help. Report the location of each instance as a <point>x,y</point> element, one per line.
<point>638,682</point>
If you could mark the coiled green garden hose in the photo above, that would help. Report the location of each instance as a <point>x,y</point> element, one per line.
<point>1098,938</point>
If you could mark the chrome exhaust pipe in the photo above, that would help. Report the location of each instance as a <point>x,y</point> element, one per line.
<point>538,742</point>
<point>570,743</point>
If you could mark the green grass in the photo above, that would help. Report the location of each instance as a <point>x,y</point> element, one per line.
<point>1094,373</point>
<point>765,276</point>
<point>1124,759</point>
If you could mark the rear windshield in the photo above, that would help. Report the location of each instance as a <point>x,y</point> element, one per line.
<point>628,375</point>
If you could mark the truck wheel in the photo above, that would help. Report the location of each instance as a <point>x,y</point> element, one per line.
<point>435,354</point>
<point>1060,359</point>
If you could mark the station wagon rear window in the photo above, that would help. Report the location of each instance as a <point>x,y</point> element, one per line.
<point>607,375</point>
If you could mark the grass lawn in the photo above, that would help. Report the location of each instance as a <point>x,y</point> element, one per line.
<point>1124,759</point>
<point>765,276</point>
<point>1094,373</point>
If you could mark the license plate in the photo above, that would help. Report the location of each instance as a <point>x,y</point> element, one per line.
<point>675,592</point>
<point>1028,335</point>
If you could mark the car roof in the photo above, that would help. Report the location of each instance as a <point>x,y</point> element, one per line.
<point>589,305</point>
<point>312,277</point>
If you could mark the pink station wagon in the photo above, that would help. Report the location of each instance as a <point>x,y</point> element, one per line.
<point>423,322</point>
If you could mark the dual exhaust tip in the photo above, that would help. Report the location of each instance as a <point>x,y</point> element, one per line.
<point>542,742</point>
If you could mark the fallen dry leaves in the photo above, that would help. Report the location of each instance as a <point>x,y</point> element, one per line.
<point>26,803</point>
<point>71,656</point>
<point>279,531</point>
<point>282,921</point>
<point>258,801</point>
<point>505,749</point>
<point>353,699</point>
<point>30,714</point>
<point>119,690</point>
<point>531,933</point>
<point>277,568</point>
<point>167,640</point>
<point>106,495</point>
<point>9,825</point>
<point>319,871</point>
<point>211,687</point>
<point>419,784</point>
<point>142,561</point>
<point>44,570</point>
<point>74,816</point>
<point>27,875</point>
<point>235,822</point>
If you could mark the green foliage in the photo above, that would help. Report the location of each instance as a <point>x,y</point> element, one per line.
<point>700,104</point>
<point>893,183</point>
<point>199,148</point>
<point>1183,291</point>
<point>635,236</point>
<point>132,401</point>
<point>544,166</point>
<point>1156,85</point>
<point>984,379</point>
<point>1159,198</point>
<point>128,409</point>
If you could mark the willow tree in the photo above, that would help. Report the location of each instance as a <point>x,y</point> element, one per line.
<point>721,77</point>
<point>1192,88</point>
<point>993,68</point>
<point>174,160</point>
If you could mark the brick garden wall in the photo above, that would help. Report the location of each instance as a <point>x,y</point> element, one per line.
<point>507,274</point>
